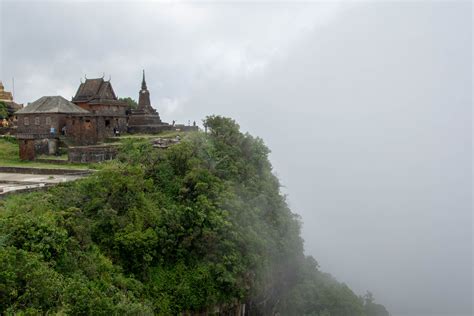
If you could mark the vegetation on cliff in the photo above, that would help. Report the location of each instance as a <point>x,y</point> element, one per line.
<point>199,225</point>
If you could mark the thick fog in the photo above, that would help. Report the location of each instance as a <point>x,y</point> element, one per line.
<point>366,106</point>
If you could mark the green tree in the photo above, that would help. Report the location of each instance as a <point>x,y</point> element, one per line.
<point>27,282</point>
<point>373,309</point>
<point>130,102</point>
<point>3,110</point>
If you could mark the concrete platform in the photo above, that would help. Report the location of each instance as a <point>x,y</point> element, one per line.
<point>13,182</point>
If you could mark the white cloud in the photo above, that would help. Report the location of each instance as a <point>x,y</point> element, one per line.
<point>196,41</point>
<point>170,107</point>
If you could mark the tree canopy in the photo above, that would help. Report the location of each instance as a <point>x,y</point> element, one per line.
<point>130,102</point>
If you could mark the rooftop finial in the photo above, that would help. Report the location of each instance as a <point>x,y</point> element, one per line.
<point>143,81</point>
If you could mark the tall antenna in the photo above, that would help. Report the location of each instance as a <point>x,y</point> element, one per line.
<point>13,88</point>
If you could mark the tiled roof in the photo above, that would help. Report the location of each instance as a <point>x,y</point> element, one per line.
<point>93,89</point>
<point>51,104</point>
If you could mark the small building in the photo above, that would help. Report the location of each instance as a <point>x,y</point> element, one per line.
<point>41,122</point>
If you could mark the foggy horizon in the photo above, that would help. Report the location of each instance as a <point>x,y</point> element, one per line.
<point>366,107</point>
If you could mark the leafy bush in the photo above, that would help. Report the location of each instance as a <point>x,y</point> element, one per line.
<point>3,110</point>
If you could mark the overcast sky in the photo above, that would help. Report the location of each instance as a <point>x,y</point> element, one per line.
<point>366,106</point>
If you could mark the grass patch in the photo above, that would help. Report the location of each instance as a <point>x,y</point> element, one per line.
<point>9,151</point>
<point>59,157</point>
<point>10,157</point>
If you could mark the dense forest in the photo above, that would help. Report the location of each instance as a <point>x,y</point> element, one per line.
<point>199,227</point>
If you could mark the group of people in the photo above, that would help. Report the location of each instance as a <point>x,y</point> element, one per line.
<point>52,131</point>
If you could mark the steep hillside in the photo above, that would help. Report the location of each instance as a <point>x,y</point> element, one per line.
<point>201,226</point>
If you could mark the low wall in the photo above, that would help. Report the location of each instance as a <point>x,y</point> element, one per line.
<point>88,154</point>
<point>149,129</point>
<point>30,146</point>
<point>185,128</point>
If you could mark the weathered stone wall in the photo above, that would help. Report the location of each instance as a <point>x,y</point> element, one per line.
<point>42,146</point>
<point>27,149</point>
<point>104,109</point>
<point>87,154</point>
<point>40,123</point>
<point>106,125</point>
<point>32,147</point>
<point>143,119</point>
<point>82,130</point>
<point>91,129</point>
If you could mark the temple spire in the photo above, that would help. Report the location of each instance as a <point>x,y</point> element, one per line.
<point>143,81</point>
<point>144,103</point>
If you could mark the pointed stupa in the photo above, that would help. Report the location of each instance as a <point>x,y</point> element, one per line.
<point>144,103</point>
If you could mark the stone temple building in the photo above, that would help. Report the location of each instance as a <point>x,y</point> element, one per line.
<point>98,97</point>
<point>93,115</point>
<point>145,119</point>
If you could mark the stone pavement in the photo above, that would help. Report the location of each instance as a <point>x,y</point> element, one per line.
<point>10,182</point>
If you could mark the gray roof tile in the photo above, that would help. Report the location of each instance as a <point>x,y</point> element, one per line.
<point>51,104</point>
